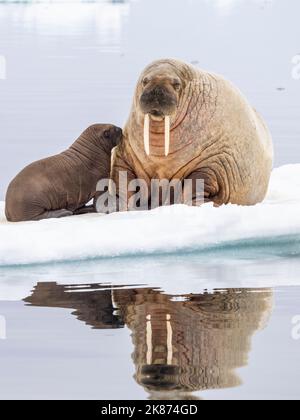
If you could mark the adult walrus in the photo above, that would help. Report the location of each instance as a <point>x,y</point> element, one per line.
<point>62,185</point>
<point>187,123</point>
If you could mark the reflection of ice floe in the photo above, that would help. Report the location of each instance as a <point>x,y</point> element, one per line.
<point>176,275</point>
<point>272,225</point>
<point>105,19</point>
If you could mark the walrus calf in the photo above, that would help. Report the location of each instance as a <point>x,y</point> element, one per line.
<point>188,124</point>
<point>62,185</point>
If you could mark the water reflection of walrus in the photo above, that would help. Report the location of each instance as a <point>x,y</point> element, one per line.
<point>187,123</point>
<point>180,345</point>
<point>195,344</point>
<point>62,185</point>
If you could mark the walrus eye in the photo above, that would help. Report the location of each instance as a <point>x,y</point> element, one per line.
<point>177,85</point>
<point>106,134</point>
<point>145,81</point>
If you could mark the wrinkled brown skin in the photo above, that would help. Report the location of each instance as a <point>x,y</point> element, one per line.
<point>62,185</point>
<point>215,136</point>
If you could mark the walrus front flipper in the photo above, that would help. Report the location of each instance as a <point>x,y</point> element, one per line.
<point>54,214</point>
<point>85,210</point>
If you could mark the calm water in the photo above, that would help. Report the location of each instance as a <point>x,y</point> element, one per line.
<point>186,327</point>
<point>178,331</point>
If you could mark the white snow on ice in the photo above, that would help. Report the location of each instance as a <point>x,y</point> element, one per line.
<point>176,229</point>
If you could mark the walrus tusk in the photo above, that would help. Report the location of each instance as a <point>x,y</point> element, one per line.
<point>147,134</point>
<point>167,135</point>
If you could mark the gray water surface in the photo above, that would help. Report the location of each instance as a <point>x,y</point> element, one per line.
<point>92,342</point>
<point>221,328</point>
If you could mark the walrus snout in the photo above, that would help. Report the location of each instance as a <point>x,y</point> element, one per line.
<point>160,377</point>
<point>117,133</point>
<point>158,101</point>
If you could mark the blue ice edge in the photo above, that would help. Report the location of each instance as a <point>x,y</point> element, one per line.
<point>284,246</point>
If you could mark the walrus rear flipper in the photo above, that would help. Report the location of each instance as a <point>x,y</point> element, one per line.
<point>34,217</point>
<point>55,214</point>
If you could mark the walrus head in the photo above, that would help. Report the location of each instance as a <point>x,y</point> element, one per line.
<point>108,134</point>
<point>160,96</point>
<point>97,142</point>
<point>161,90</point>
<point>104,136</point>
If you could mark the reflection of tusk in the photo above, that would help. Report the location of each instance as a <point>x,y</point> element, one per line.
<point>147,134</point>
<point>149,340</point>
<point>167,135</point>
<point>169,340</point>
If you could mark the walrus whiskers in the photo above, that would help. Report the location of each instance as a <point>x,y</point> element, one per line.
<point>147,134</point>
<point>167,135</point>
